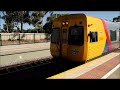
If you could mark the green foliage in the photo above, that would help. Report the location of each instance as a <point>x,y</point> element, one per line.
<point>116,19</point>
<point>48,26</point>
<point>8,26</point>
<point>36,16</point>
<point>16,17</point>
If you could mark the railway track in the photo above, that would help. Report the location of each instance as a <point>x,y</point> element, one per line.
<point>38,69</point>
<point>24,66</point>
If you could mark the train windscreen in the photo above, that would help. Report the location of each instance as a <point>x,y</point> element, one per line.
<point>76,35</point>
<point>55,37</point>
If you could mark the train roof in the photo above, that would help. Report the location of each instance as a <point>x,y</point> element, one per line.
<point>90,16</point>
<point>110,23</point>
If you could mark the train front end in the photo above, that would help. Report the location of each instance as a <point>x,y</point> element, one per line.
<point>68,38</point>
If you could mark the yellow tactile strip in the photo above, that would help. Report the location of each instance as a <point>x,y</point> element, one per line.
<point>101,70</point>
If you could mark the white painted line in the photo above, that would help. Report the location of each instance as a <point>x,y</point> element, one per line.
<point>110,72</point>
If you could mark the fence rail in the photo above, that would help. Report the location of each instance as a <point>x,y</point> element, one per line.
<point>23,38</point>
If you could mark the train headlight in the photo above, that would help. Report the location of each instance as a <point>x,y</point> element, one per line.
<point>64,23</point>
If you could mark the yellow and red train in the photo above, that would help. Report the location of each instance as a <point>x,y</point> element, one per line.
<point>79,37</point>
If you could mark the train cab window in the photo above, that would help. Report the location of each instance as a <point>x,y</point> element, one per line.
<point>55,36</point>
<point>113,35</point>
<point>76,35</point>
<point>93,36</point>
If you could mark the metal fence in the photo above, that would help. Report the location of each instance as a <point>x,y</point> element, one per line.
<point>23,38</point>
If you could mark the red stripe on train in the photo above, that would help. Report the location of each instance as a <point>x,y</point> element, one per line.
<point>107,35</point>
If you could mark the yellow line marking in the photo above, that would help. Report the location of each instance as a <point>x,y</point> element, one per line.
<point>60,74</point>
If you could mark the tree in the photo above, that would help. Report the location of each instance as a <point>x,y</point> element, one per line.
<point>7,16</point>
<point>48,26</point>
<point>36,19</point>
<point>20,17</point>
<point>12,18</point>
<point>16,17</point>
<point>116,19</point>
<point>8,27</point>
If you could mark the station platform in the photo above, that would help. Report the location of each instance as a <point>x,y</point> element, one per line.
<point>16,54</point>
<point>13,49</point>
<point>105,67</point>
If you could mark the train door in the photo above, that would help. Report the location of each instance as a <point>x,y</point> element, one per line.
<point>64,42</point>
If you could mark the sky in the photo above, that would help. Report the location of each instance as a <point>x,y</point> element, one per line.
<point>109,15</point>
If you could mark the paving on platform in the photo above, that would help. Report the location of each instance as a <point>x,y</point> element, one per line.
<point>94,69</point>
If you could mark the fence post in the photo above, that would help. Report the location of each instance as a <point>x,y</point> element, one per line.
<point>119,37</point>
<point>19,38</point>
<point>0,40</point>
<point>47,37</point>
<point>34,37</point>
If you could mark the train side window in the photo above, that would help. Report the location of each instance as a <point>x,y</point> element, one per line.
<point>93,36</point>
<point>113,35</point>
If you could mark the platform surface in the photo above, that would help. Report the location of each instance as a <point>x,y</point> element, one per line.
<point>105,67</point>
<point>16,54</point>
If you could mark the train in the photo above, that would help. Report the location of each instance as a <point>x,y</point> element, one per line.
<point>81,37</point>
